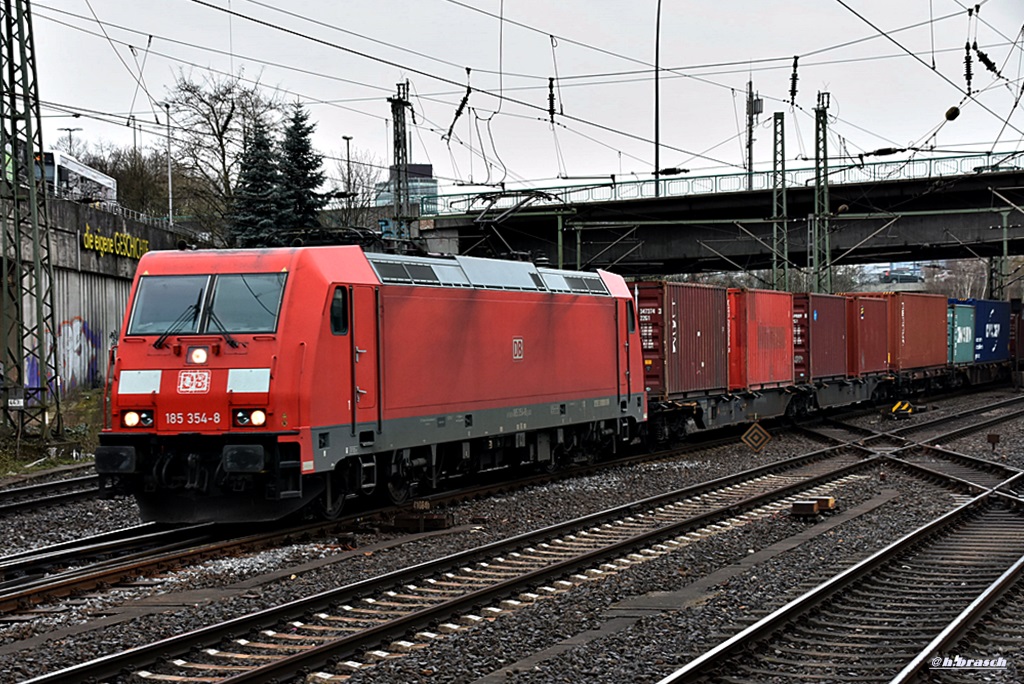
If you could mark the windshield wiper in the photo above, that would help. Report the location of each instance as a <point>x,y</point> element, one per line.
<point>232,342</point>
<point>191,310</point>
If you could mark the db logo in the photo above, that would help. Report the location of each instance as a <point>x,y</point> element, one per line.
<point>193,381</point>
<point>517,348</point>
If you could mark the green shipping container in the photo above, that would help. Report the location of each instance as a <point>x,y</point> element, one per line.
<point>960,318</point>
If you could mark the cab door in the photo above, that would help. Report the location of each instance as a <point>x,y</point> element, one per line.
<point>626,326</point>
<point>365,329</point>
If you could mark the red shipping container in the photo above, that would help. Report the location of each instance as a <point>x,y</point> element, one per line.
<point>819,337</point>
<point>867,334</point>
<point>684,335</point>
<point>918,329</point>
<point>760,339</point>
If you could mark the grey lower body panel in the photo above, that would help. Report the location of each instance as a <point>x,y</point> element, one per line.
<point>336,442</point>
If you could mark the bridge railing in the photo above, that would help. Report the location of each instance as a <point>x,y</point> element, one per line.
<point>938,167</point>
<point>109,206</point>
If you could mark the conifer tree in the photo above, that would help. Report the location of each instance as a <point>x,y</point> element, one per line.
<point>256,209</point>
<point>301,176</point>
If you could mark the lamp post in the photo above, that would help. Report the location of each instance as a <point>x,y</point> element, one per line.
<point>657,101</point>
<point>170,189</point>
<point>69,132</point>
<point>348,172</point>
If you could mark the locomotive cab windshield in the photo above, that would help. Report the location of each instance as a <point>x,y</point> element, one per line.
<point>218,305</point>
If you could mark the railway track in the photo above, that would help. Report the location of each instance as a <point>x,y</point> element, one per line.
<point>937,430</point>
<point>30,497</point>
<point>35,576</point>
<point>881,615</point>
<point>857,444</point>
<point>62,570</point>
<point>333,627</point>
<point>926,455</point>
<point>991,628</point>
<point>977,472</point>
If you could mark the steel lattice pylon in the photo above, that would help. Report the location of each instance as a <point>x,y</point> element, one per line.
<point>819,255</point>
<point>400,171</point>
<point>31,398</point>
<point>780,211</point>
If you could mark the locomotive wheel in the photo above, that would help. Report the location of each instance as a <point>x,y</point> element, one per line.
<point>399,484</point>
<point>398,490</point>
<point>555,464</point>
<point>331,509</point>
<point>331,502</point>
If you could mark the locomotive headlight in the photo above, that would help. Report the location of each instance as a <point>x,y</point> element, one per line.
<point>250,417</point>
<point>198,355</point>
<point>132,419</point>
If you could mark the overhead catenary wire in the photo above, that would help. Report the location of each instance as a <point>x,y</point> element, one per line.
<point>401,48</point>
<point>138,79</point>
<point>443,79</point>
<point>501,65</point>
<point>142,69</point>
<point>481,110</point>
<point>712,83</point>
<point>916,57</point>
<point>306,98</point>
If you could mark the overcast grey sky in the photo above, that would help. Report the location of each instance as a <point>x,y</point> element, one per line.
<point>343,59</point>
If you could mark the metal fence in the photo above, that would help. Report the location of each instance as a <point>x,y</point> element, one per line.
<point>109,207</point>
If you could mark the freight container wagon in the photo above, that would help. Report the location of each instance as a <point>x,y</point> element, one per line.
<point>819,337</point>
<point>683,333</point>
<point>760,339</point>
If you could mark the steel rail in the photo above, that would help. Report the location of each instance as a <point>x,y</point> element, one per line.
<point>948,637</point>
<point>699,667</point>
<point>40,495</point>
<point>318,656</point>
<point>953,434</point>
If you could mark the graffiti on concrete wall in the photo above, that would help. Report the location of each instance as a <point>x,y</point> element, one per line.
<point>78,349</point>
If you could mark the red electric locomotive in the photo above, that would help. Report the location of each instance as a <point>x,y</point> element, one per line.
<point>250,384</point>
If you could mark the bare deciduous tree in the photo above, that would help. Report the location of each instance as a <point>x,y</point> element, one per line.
<point>354,210</point>
<point>212,118</point>
<point>141,175</point>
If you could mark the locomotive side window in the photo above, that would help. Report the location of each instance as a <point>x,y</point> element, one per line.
<point>339,311</point>
<point>246,303</point>
<point>630,318</point>
<point>168,303</point>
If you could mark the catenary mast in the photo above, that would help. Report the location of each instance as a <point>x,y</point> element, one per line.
<point>29,372</point>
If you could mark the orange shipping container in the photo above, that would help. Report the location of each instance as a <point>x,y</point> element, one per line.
<point>918,333</point>
<point>760,339</point>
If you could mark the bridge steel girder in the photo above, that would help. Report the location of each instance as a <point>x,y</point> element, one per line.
<point>950,218</point>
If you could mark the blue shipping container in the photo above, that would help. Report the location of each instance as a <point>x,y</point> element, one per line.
<point>991,329</point>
